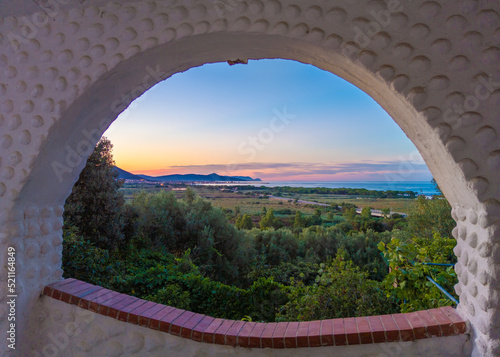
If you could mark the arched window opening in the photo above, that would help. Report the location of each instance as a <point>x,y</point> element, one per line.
<point>271,191</point>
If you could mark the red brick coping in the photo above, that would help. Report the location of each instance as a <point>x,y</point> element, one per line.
<point>443,321</point>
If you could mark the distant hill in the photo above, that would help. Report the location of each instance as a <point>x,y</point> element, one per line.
<point>125,175</point>
<point>246,178</point>
<point>194,177</point>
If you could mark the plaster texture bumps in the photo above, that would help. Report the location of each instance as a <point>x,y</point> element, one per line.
<point>67,70</point>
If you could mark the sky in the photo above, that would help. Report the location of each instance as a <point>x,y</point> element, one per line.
<point>277,120</point>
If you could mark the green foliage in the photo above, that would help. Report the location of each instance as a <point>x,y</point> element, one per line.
<point>315,219</point>
<point>366,212</point>
<point>214,298</point>
<point>302,222</point>
<point>350,213</point>
<point>318,244</point>
<point>284,211</point>
<point>386,212</point>
<point>82,260</point>
<point>394,221</point>
<point>278,191</point>
<point>266,298</point>
<point>277,245</point>
<point>190,195</point>
<point>160,222</point>
<point>244,222</point>
<point>299,221</point>
<point>168,224</point>
<point>172,295</point>
<point>362,249</point>
<point>268,220</point>
<point>95,204</point>
<point>177,282</point>
<point>407,278</point>
<point>425,240</point>
<point>431,216</point>
<point>341,290</point>
<point>261,301</point>
<point>285,273</point>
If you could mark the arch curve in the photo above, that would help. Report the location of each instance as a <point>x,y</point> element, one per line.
<point>65,152</point>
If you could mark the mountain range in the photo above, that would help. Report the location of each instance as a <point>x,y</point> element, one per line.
<point>125,175</point>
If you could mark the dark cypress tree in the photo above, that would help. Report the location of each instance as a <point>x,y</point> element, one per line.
<point>95,205</point>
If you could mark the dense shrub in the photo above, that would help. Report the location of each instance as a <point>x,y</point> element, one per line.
<point>167,224</point>
<point>277,245</point>
<point>429,217</point>
<point>362,249</point>
<point>318,244</point>
<point>82,260</point>
<point>285,273</point>
<point>341,290</point>
<point>409,271</point>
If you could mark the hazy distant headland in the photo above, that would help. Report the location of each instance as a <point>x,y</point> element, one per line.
<point>125,175</point>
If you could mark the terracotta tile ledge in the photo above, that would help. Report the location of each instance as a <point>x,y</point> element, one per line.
<point>440,322</point>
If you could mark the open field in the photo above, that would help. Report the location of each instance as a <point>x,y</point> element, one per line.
<point>252,203</point>
<point>395,204</point>
<point>229,200</point>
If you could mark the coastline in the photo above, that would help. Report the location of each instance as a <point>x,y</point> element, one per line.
<point>419,187</point>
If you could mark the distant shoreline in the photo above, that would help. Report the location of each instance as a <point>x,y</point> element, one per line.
<point>419,187</point>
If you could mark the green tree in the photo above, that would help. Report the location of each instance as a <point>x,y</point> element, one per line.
<point>350,213</point>
<point>366,213</point>
<point>268,221</point>
<point>190,195</point>
<point>244,222</point>
<point>386,212</point>
<point>317,244</point>
<point>95,205</point>
<point>276,245</point>
<point>316,219</point>
<point>161,222</point>
<point>299,221</point>
<point>429,217</point>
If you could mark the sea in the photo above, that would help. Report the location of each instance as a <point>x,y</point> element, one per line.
<point>419,187</point>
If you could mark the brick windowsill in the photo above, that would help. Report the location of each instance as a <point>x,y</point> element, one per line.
<point>440,322</point>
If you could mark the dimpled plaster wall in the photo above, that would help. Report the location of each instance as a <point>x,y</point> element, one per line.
<point>68,70</point>
<point>69,331</point>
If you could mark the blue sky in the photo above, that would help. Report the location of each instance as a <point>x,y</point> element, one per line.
<point>273,119</point>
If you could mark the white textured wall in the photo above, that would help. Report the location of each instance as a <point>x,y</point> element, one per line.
<point>68,331</point>
<point>67,71</point>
